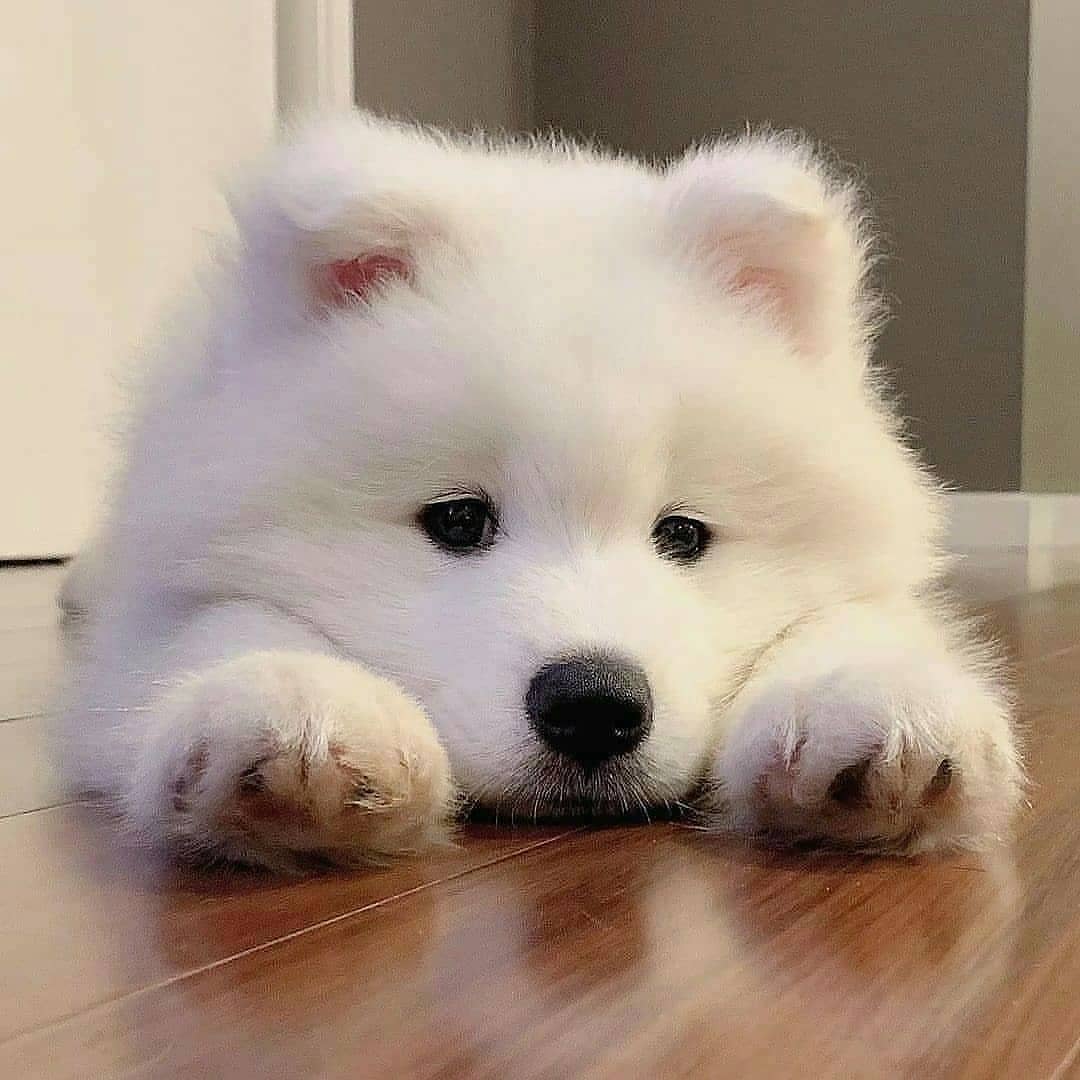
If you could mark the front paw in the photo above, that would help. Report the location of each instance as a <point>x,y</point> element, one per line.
<point>278,758</point>
<point>903,757</point>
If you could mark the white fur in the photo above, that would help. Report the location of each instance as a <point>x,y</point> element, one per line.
<point>590,341</point>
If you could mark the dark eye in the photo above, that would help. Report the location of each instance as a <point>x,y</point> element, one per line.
<point>459,524</point>
<point>681,538</point>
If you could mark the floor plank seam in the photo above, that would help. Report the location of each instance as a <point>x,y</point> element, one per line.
<point>24,716</point>
<point>202,969</point>
<point>1067,1062</point>
<point>42,809</point>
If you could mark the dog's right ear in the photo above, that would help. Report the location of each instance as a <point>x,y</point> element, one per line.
<point>331,220</point>
<point>783,237</point>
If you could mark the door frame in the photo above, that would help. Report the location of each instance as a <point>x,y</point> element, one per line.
<point>314,57</point>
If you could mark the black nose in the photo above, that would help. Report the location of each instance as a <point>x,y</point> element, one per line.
<point>590,707</point>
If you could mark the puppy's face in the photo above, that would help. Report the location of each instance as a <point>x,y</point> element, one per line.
<point>567,481</point>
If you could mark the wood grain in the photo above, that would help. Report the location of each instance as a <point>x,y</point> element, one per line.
<point>29,663</point>
<point>29,776</point>
<point>647,951</point>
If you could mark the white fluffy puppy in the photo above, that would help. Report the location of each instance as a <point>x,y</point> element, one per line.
<point>537,478</point>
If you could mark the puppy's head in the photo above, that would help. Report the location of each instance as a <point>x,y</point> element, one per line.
<point>561,443</point>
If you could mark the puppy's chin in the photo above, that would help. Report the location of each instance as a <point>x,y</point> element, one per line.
<point>550,787</point>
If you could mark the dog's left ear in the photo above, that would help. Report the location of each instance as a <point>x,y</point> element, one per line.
<point>778,233</point>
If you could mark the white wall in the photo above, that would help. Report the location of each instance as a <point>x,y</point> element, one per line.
<point>120,121</point>
<point>1051,441</point>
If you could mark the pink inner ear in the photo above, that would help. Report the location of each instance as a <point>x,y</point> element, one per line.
<point>763,285</point>
<point>347,280</point>
<point>759,279</point>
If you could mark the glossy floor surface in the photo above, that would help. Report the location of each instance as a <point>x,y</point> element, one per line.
<point>644,951</point>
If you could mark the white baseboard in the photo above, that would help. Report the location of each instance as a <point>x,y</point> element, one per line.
<point>1011,519</point>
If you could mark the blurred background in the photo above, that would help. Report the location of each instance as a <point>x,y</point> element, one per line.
<point>123,121</point>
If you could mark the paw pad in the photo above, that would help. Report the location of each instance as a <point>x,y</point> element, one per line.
<point>940,782</point>
<point>251,781</point>
<point>848,787</point>
<point>191,774</point>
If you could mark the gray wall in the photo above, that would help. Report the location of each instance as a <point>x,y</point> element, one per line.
<point>457,63</point>
<point>929,96</point>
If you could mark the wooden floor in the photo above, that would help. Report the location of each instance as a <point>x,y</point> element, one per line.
<point>647,951</point>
